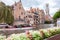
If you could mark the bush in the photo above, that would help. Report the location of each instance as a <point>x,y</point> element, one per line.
<point>2,37</point>
<point>36,35</point>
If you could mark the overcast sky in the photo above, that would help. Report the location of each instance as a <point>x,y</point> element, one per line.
<point>54,5</point>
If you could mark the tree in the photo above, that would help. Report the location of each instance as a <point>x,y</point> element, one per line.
<point>9,18</point>
<point>6,14</point>
<point>57,15</point>
<point>2,7</point>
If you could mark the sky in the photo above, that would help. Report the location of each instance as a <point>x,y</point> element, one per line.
<point>53,4</point>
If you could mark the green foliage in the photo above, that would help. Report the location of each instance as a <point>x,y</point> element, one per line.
<point>36,35</point>
<point>46,34</point>
<point>57,15</point>
<point>19,37</point>
<point>6,14</point>
<point>47,22</point>
<point>2,37</point>
<point>9,19</point>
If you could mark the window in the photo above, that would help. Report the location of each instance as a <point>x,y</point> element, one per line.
<point>36,16</point>
<point>19,17</point>
<point>36,13</point>
<point>26,16</point>
<point>21,13</point>
<point>19,7</point>
<point>29,16</point>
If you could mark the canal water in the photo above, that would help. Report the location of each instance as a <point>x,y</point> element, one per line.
<point>21,30</point>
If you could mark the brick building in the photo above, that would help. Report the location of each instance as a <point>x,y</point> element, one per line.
<point>35,13</point>
<point>22,16</point>
<point>18,13</point>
